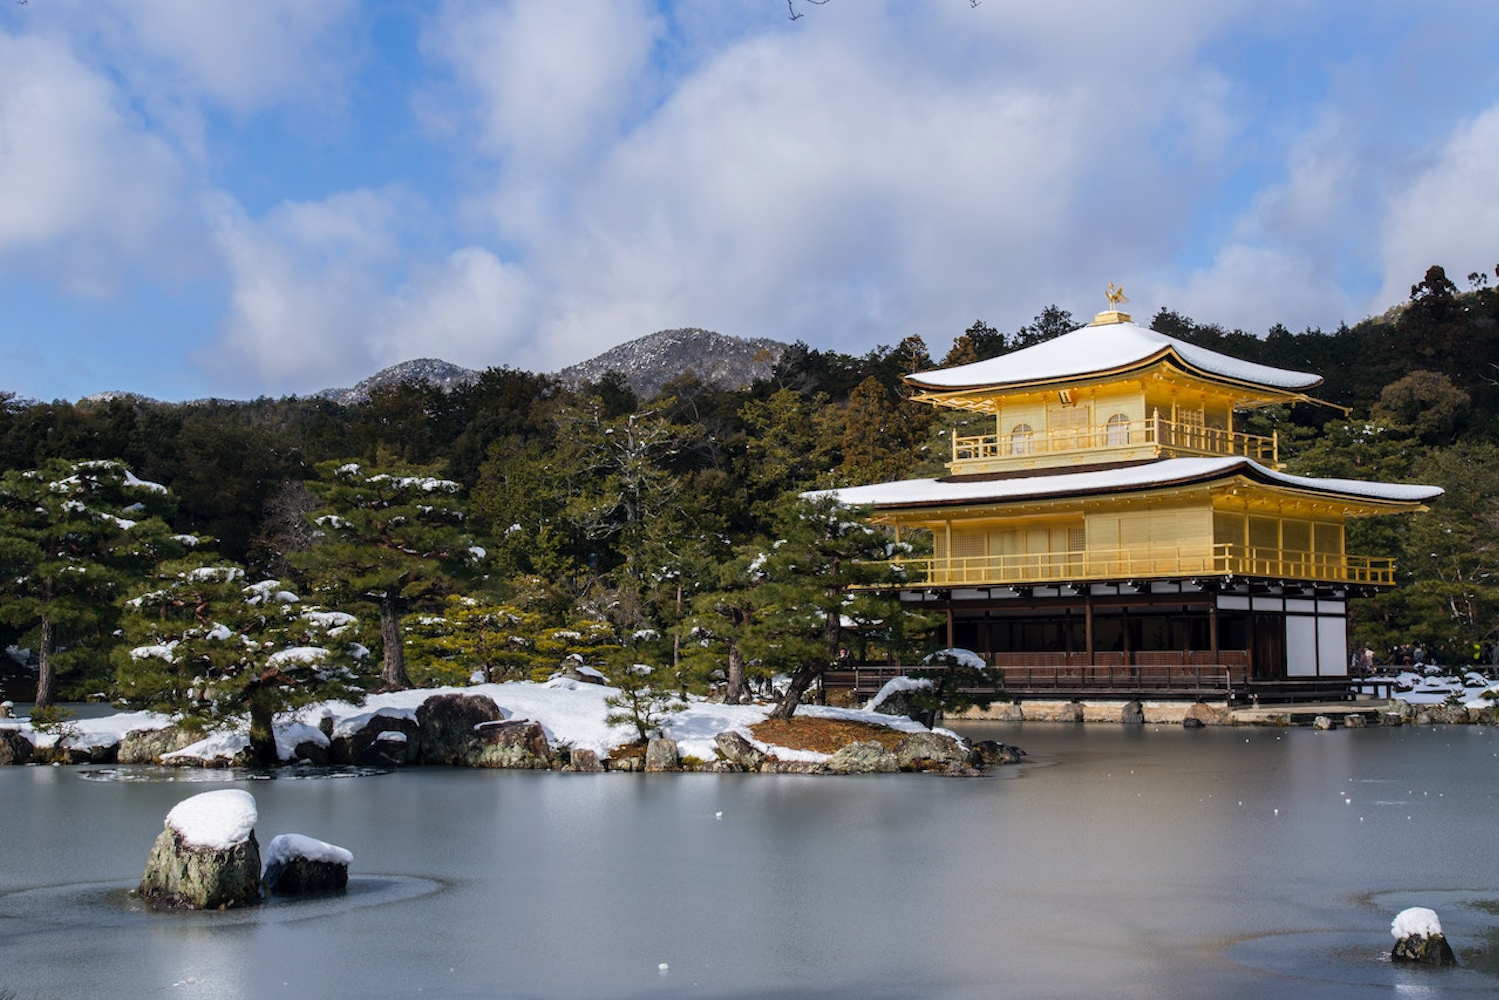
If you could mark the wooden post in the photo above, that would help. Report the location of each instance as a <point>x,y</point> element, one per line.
<point>1088,627</point>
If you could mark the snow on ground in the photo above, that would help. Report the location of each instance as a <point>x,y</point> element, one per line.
<point>223,744</point>
<point>570,712</point>
<point>290,846</point>
<point>215,820</point>
<point>1472,689</point>
<point>100,732</point>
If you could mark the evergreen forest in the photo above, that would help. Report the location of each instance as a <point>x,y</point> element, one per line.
<point>517,525</point>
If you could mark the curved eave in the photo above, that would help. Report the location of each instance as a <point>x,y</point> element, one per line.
<point>1357,498</point>
<point>979,396</point>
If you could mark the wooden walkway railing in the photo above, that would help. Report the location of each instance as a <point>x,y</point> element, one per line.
<point>1196,680</point>
<point>1229,682</point>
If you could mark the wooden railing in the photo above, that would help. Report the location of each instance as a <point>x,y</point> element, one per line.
<point>1223,559</point>
<point>1156,431</point>
<point>1180,680</point>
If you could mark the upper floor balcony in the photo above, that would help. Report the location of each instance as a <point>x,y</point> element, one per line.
<point>1150,562</point>
<point>1119,440</point>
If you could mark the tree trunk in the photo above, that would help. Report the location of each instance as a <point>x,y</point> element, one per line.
<point>393,672</point>
<point>262,731</point>
<point>800,681</point>
<point>46,670</point>
<point>735,694</point>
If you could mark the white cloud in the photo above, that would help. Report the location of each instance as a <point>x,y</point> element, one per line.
<point>800,186</point>
<point>307,283</point>
<point>1253,287</point>
<point>1448,214</point>
<point>89,195</point>
<point>472,310</point>
<point>551,80</point>
<point>237,55</point>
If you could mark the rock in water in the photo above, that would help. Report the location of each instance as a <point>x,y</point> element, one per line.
<point>735,749</point>
<point>207,857</point>
<point>513,743</point>
<point>1419,938</point>
<point>446,723</point>
<point>661,755</point>
<point>921,751</point>
<point>14,748</point>
<point>296,865</point>
<point>865,757</point>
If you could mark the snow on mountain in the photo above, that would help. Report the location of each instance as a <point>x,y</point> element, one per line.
<point>648,363</point>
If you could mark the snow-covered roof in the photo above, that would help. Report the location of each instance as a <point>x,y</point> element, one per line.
<point>1095,350</point>
<point>1167,472</point>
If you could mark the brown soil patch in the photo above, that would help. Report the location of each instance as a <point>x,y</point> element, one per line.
<point>823,735</point>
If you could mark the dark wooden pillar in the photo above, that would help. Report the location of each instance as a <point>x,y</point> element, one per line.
<point>1088,626</point>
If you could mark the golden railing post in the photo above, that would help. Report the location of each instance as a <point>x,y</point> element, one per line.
<point>1275,446</point>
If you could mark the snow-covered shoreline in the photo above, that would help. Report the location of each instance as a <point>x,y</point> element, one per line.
<point>570,713</point>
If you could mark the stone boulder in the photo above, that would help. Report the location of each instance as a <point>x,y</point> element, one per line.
<point>1419,938</point>
<point>928,751</point>
<point>803,766</point>
<point>511,743</point>
<point>1208,715</point>
<point>1323,722</point>
<point>298,866</point>
<point>146,746</point>
<point>903,697</point>
<point>735,749</point>
<point>585,761</point>
<point>1355,721</point>
<point>991,753</point>
<point>1132,713</point>
<point>1452,715</point>
<point>446,726</point>
<point>864,757</point>
<point>383,739</point>
<point>661,755</point>
<point>206,858</point>
<point>14,748</point>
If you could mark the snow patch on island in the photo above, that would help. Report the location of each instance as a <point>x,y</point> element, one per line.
<point>1417,921</point>
<point>287,847</point>
<point>215,820</point>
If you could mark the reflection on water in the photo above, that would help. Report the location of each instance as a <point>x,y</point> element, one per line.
<point>1118,862</point>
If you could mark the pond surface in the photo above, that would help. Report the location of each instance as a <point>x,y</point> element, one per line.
<point>1117,862</point>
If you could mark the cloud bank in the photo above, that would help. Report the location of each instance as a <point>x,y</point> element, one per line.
<point>336,187</point>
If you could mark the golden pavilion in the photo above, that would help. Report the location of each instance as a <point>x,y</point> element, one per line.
<point>1114,532</point>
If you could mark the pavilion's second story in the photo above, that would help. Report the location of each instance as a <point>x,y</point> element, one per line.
<point>1109,393</point>
<point>1132,421</point>
<point>1172,519</point>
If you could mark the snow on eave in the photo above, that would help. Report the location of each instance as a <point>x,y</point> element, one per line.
<point>1150,475</point>
<point>1110,349</point>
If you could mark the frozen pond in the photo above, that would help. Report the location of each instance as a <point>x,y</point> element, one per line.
<point>1119,862</point>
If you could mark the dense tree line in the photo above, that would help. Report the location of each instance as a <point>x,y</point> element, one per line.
<point>617,530</point>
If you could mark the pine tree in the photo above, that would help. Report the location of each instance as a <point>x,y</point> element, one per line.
<point>500,641</point>
<point>810,590</point>
<point>393,539</point>
<point>204,645</point>
<point>73,537</point>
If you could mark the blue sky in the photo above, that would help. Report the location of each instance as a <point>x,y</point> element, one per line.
<point>219,198</point>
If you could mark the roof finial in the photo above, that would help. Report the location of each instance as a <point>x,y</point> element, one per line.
<point>1116,297</point>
